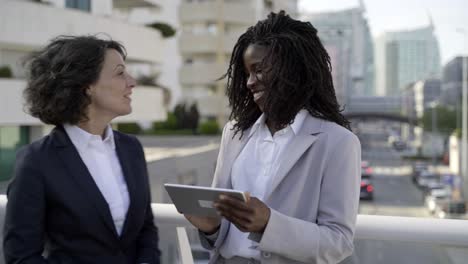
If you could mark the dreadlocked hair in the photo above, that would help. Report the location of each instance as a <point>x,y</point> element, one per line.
<point>298,75</point>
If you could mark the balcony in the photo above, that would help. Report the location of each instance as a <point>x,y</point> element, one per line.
<point>206,43</point>
<point>431,232</point>
<point>147,104</point>
<point>128,4</point>
<point>201,73</point>
<point>27,26</point>
<point>233,13</point>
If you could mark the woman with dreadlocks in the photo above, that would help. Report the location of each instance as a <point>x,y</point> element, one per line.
<point>289,146</point>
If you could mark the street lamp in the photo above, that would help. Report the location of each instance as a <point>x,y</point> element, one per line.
<point>433,105</point>
<point>464,112</point>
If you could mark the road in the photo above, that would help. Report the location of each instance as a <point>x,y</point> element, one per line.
<point>394,195</point>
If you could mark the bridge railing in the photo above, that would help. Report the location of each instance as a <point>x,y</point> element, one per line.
<point>431,231</point>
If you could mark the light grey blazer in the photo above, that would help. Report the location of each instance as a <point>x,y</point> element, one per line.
<point>313,198</point>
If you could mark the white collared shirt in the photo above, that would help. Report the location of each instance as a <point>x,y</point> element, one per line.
<point>253,171</point>
<point>103,164</point>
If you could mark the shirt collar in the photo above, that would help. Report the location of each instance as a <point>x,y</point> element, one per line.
<point>81,138</point>
<point>299,120</point>
<point>295,126</point>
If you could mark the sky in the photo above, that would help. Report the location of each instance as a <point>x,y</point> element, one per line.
<point>395,15</point>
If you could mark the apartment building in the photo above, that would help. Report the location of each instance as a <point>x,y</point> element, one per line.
<point>210,29</point>
<point>26,26</point>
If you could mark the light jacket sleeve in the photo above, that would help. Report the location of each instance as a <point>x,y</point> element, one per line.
<point>210,242</point>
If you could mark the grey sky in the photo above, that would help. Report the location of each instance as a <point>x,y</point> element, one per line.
<point>392,15</point>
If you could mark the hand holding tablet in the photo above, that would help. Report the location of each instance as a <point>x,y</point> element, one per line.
<point>197,200</point>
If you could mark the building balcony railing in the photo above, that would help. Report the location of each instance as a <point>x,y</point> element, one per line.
<point>207,43</point>
<point>233,13</point>
<point>147,104</point>
<point>201,74</point>
<point>27,26</point>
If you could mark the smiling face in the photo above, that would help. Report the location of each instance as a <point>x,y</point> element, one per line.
<point>253,57</point>
<point>111,94</point>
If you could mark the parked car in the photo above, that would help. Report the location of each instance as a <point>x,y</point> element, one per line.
<point>418,167</point>
<point>452,210</point>
<point>436,186</point>
<point>436,198</point>
<point>399,145</point>
<point>367,189</point>
<point>427,178</point>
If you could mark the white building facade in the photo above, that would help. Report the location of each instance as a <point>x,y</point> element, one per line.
<point>26,26</point>
<point>210,29</point>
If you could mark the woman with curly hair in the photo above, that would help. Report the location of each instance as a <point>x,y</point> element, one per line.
<point>289,146</point>
<point>80,194</point>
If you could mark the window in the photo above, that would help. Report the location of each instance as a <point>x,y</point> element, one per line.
<point>11,139</point>
<point>84,5</point>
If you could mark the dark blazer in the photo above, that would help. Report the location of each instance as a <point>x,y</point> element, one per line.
<point>54,203</point>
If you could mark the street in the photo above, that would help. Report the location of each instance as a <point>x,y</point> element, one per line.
<point>394,195</point>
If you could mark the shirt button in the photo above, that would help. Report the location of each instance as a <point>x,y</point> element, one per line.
<point>266,254</point>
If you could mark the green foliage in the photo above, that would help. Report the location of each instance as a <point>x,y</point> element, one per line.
<point>446,120</point>
<point>129,128</point>
<point>187,118</point>
<point>421,158</point>
<point>209,127</point>
<point>169,124</point>
<point>170,132</point>
<point>147,80</point>
<point>166,30</point>
<point>182,121</point>
<point>5,72</point>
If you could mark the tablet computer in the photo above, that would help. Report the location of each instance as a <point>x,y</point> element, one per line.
<point>198,200</point>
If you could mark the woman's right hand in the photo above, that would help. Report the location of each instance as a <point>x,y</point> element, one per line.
<point>206,224</point>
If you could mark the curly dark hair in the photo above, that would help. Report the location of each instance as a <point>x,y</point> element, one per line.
<point>298,75</point>
<point>60,74</point>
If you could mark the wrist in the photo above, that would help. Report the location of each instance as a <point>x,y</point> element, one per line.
<point>212,231</point>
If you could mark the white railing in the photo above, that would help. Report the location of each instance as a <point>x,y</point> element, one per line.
<point>433,231</point>
<point>446,232</point>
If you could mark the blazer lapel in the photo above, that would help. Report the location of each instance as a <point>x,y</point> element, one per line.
<point>293,152</point>
<point>76,167</point>
<point>125,159</point>
<point>232,151</point>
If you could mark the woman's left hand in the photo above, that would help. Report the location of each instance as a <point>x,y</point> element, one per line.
<point>250,216</point>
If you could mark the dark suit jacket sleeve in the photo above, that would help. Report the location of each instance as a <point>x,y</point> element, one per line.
<point>23,240</point>
<point>147,241</point>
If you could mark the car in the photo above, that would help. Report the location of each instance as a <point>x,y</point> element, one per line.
<point>427,178</point>
<point>367,189</point>
<point>452,210</point>
<point>436,198</point>
<point>366,169</point>
<point>418,167</point>
<point>399,145</point>
<point>435,186</point>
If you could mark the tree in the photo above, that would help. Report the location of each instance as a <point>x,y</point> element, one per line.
<point>446,119</point>
<point>179,112</point>
<point>193,117</point>
<point>166,30</point>
<point>5,72</point>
